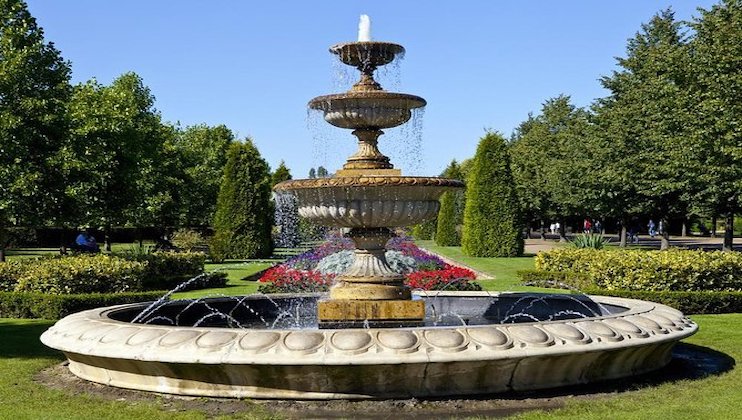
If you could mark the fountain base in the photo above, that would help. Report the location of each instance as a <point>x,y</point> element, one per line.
<point>373,313</point>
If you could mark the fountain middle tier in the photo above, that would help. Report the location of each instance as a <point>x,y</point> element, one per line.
<point>369,201</point>
<point>370,110</point>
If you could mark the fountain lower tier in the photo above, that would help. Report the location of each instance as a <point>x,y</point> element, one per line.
<point>466,347</point>
<point>369,291</point>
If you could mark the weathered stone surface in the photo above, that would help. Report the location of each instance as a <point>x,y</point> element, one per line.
<point>359,310</point>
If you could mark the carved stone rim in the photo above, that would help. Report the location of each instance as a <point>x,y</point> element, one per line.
<point>372,97</point>
<point>367,181</point>
<point>94,334</point>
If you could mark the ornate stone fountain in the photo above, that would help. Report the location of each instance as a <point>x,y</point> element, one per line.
<point>368,195</point>
<point>467,343</point>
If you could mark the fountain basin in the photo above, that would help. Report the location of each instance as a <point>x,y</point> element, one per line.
<point>367,54</point>
<point>367,109</point>
<point>368,201</point>
<point>477,355</point>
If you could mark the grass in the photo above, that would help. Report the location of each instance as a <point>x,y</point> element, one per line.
<point>236,271</point>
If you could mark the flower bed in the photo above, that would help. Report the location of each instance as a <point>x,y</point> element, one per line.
<point>315,270</point>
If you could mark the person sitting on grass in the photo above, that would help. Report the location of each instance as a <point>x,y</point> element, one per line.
<point>85,242</point>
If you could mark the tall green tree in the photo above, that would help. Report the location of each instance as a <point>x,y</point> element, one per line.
<point>244,214</point>
<point>281,174</point>
<point>643,126</point>
<point>116,140</point>
<point>552,160</point>
<point>716,63</point>
<point>451,214</point>
<point>492,223</point>
<point>34,89</point>
<point>203,151</point>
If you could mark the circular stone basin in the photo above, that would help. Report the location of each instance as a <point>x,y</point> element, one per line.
<point>368,109</point>
<point>368,201</point>
<point>370,54</point>
<point>472,343</point>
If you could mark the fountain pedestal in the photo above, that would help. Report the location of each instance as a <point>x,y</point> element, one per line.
<point>370,292</point>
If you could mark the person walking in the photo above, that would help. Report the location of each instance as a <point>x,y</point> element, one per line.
<point>652,226</point>
<point>587,226</point>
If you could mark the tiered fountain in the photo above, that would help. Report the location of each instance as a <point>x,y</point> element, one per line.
<point>447,343</point>
<point>368,195</point>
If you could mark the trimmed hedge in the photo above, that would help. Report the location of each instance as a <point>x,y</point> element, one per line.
<point>80,274</point>
<point>670,270</point>
<point>688,302</point>
<point>48,306</point>
<point>106,273</point>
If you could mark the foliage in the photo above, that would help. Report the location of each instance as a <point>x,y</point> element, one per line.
<point>81,274</point>
<point>188,240</point>
<point>450,278</point>
<point>716,57</point>
<point>451,215</point>
<point>340,261</point>
<point>34,89</point>
<point>168,266</point>
<point>553,162</point>
<point>114,157</point>
<point>281,174</point>
<point>491,217</point>
<point>10,272</point>
<point>674,270</point>
<point>202,151</point>
<point>425,230</point>
<point>590,240</point>
<point>244,214</point>
<point>51,306</point>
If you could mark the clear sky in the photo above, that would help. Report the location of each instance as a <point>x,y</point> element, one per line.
<point>253,66</point>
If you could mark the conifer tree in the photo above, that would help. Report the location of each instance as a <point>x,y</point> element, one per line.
<point>281,174</point>
<point>451,214</point>
<point>492,225</point>
<point>244,214</point>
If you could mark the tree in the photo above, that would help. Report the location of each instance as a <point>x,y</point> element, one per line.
<point>203,151</point>
<point>492,225</point>
<point>716,61</point>
<point>322,172</point>
<point>312,173</point>
<point>644,126</point>
<point>281,174</point>
<point>451,214</point>
<point>244,215</point>
<point>34,90</point>
<point>552,163</point>
<point>116,141</point>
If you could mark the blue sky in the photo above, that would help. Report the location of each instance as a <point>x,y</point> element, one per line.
<point>253,66</point>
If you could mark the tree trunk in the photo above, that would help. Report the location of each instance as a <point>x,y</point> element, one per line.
<point>2,253</point>
<point>684,228</point>
<point>665,238</point>
<point>543,230</point>
<point>62,244</point>
<point>563,231</point>
<point>107,238</point>
<point>622,235</point>
<point>713,226</point>
<point>728,232</point>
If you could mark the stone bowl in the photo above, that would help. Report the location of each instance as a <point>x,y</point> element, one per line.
<point>369,54</point>
<point>368,109</point>
<point>480,353</point>
<point>368,201</point>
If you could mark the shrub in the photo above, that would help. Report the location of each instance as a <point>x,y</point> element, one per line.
<point>339,262</point>
<point>81,274</point>
<point>590,240</point>
<point>492,225</point>
<point>556,279</point>
<point>673,270</point>
<point>244,214</point>
<point>10,272</point>
<point>48,306</point>
<point>188,240</point>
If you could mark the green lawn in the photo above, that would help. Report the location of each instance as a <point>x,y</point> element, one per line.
<point>236,271</point>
